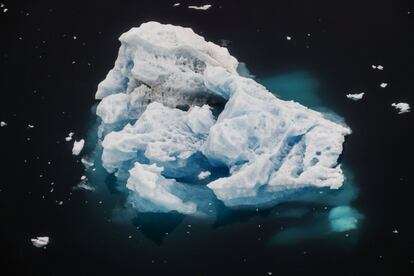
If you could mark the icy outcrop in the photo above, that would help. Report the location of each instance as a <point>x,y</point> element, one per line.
<point>165,96</point>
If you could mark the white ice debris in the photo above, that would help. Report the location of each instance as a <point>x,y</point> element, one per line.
<point>87,163</point>
<point>176,4</point>
<point>288,37</point>
<point>204,7</point>
<point>83,177</point>
<point>355,97</point>
<point>203,175</point>
<point>160,97</point>
<point>69,137</point>
<point>379,67</point>
<point>384,84</point>
<point>30,126</point>
<point>78,146</point>
<point>3,124</point>
<point>40,241</point>
<point>84,186</point>
<point>401,107</point>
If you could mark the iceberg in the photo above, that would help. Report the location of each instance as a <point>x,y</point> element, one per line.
<point>401,107</point>
<point>355,97</point>
<point>78,146</point>
<point>40,241</point>
<point>176,114</point>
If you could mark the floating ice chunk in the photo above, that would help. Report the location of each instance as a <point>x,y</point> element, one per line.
<point>203,175</point>
<point>3,124</point>
<point>384,84</point>
<point>176,4</point>
<point>69,137</point>
<point>288,37</point>
<point>380,67</point>
<point>78,146</point>
<point>270,149</point>
<point>84,186</point>
<point>83,177</point>
<point>30,126</point>
<point>204,7</point>
<point>40,241</point>
<point>395,231</point>
<point>150,185</point>
<point>401,107</point>
<point>344,218</point>
<point>87,163</point>
<point>355,97</point>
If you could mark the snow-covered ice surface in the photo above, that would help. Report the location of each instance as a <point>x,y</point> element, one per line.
<point>175,107</point>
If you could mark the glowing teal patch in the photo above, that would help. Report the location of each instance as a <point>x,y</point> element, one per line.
<point>344,218</point>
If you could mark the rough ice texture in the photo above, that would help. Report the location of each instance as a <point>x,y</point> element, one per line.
<point>158,94</point>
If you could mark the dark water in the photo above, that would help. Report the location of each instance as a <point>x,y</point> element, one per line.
<point>91,234</point>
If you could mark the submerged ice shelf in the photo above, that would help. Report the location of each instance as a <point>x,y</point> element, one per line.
<point>174,107</point>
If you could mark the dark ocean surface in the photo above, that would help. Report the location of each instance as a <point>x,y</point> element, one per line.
<point>48,79</point>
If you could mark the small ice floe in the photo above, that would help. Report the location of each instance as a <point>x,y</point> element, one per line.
<point>30,126</point>
<point>355,97</point>
<point>395,231</point>
<point>40,241</point>
<point>83,177</point>
<point>78,146</point>
<point>203,175</point>
<point>288,37</point>
<point>69,137</point>
<point>384,84</point>
<point>401,107</point>
<point>176,4</point>
<point>3,124</point>
<point>379,67</point>
<point>84,186</point>
<point>86,163</point>
<point>204,7</point>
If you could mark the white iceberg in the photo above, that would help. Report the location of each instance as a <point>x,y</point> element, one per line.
<point>3,124</point>
<point>203,7</point>
<point>40,241</point>
<point>164,98</point>
<point>69,137</point>
<point>78,146</point>
<point>355,97</point>
<point>401,107</point>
